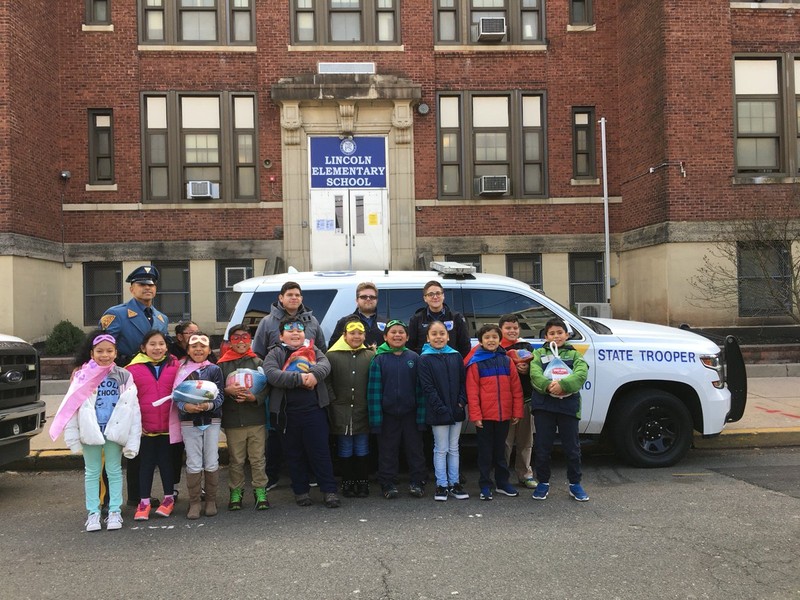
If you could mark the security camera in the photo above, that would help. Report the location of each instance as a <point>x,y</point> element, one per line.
<point>65,175</point>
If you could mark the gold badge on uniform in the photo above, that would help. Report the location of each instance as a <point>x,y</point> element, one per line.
<point>132,313</point>
<point>106,320</point>
<point>160,318</point>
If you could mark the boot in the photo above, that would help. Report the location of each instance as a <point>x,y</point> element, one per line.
<point>193,484</point>
<point>348,485</point>
<point>361,475</point>
<point>212,480</point>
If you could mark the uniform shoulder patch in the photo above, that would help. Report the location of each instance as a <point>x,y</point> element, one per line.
<point>132,313</point>
<point>106,320</point>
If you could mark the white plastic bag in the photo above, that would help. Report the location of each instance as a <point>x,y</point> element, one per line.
<point>556,369</point>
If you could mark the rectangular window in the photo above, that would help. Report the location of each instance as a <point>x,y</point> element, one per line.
<point>580,12</point>
<point>229,273</point>
<point>102,288</point>
<point>200,138</point>
<point>583,143</point>
<point>197,22</point>
<point>526,268</point>
<point>345,21</point>
<point>767,115</point>
<point>173,289</point>
<point>98,12</point>
<point>101,147</point>
<point>482,21</point>
<point>586,277</point>
<point>501,137</point>
<point>765,279</point>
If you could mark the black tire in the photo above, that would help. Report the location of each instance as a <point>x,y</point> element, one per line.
<point>652,428</point>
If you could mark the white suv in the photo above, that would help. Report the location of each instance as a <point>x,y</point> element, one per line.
<point>649,385</point>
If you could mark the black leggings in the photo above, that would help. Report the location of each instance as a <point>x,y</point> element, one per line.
<point>155,451</point>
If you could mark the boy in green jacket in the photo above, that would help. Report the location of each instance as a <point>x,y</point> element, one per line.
<point>556,404</point>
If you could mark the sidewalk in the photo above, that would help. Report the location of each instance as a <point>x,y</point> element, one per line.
<point>772,418</point>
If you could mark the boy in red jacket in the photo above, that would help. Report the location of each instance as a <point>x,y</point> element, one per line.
<point>494,395</point>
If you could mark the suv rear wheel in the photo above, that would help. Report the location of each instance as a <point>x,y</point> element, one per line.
<point>652,428</point>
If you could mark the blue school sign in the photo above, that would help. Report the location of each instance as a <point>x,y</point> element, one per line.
<point>358,162</point>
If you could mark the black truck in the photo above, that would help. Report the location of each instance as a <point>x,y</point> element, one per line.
<point>22,413</point>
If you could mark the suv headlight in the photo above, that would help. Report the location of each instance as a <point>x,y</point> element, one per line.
<point>711,361</point>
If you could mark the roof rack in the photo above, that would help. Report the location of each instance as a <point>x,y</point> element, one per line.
<point>453,270</point>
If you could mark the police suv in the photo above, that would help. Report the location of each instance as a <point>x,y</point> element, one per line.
<point>649,386</point>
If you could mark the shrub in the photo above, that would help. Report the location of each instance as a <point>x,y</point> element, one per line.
<point>64,339</point>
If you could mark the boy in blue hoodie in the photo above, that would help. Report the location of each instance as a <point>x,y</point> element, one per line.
<point>397,411</point>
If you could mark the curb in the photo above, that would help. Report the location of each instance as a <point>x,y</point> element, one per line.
<point>766,437</point>
<point>64,460</point>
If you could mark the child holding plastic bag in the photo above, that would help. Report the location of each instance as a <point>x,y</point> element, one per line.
<point>558,373</point>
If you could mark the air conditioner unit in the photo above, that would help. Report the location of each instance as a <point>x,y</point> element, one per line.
<point>234,275</point>
<point>593,309</point>
<point>491,29</point>
<point>492,184</point>
<point>202,190</point>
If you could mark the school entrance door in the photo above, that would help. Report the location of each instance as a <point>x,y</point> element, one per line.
<point>349,229</point>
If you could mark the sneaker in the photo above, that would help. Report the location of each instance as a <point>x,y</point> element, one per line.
<point>390,492</point>
<point>271,484</point>
<point>540,493</point>
<point>507,490</point>
<point>260,495</point>
<point>93,522</point>
<point>114,521</point>
<point>528,482</point>
<point>458,492</point>
<point>303,500</point>
<point>332,500</point>
<point>486,493</point>
<point>313,482</point>
<point>577,492</point>
<point>440,495</point>
<point>416,490</point>
<point>362,488</point>
<point>165,509</point>
<point>235,502</point>
<point>142,512</point>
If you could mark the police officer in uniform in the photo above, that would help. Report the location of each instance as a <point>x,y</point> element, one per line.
<point>129,322</point>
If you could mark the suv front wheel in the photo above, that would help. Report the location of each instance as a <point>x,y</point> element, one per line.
<point>652,428</point>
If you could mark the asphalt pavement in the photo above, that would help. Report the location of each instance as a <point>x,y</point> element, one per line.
<point>771,419</point>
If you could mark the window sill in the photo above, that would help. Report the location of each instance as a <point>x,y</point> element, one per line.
<point>188,48</point>
<point>420,204</point>
<point>766,6</point>
<point>96,187</point>
<point>584,182</point>
<point>186,205</point>
<point>579,28</point>
<point>345,48</point>
<point>478,48</point>
<point>763,179</point>
<point>89,28</point>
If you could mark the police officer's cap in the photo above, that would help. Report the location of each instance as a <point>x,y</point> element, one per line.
<point>144,274</point>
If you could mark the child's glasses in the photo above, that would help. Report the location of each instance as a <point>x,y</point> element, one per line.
<point>240,337</point>
<point>297,326</point>
<point>434,294</point>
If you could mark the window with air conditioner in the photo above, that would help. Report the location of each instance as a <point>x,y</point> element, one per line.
<point>229,273</point>
<point>480,21</point>
<point>199,146</point>
<point>491,145</point>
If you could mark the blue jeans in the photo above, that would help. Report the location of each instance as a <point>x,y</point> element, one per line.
<point>93,459</point>
<point>445,453</point>
<point>348,445</point>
